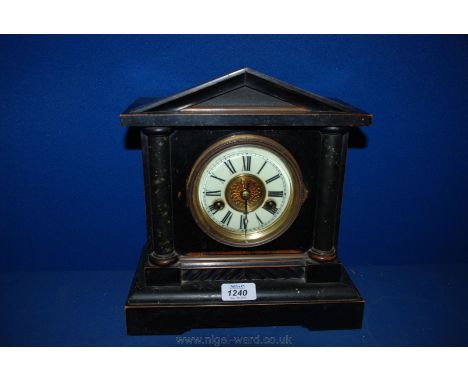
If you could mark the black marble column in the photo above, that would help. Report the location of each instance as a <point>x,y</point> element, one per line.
<point>334,144</point>
<point>156,151</point>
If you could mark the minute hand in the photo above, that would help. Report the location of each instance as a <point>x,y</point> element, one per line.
<point>246,211</point>
<point>245,217</point>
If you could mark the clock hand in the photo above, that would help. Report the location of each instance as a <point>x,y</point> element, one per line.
<point>246,200</point>
<point>245,218</point>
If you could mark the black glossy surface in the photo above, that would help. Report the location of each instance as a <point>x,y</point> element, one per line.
<point>156,320</point>
<point>304,146</point>
<point>322,300</point>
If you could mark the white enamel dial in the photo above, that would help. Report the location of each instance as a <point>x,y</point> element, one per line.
<point>261,164</point>
<point>245,190</point>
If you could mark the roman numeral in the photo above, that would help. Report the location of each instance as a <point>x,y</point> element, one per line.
<point>221,180</point>
<point>259,220</point>
<point>243,222</point>
<point>230,166</point>
<point>270,208</point>
<point>213,208</point>
<point>273,178</point>
<point>227,218</point>
<point>246,161</point>
<point>275,194</point>
<point>213,193</point>
<point>261,168</point>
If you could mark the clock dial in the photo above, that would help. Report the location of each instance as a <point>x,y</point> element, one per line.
<point>254,180</point>
<point>245,190</point>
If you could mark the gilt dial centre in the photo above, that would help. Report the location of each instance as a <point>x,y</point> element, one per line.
<point>245,192</point>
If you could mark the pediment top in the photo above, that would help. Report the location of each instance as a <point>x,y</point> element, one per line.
<point>245,92</point>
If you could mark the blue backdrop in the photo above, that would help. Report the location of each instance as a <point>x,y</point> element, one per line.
<point>71,194</point>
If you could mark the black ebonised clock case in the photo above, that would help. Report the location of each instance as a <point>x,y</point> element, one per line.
<point>298,276</point>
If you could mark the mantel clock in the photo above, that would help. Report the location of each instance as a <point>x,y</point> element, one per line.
<point>243,183</point>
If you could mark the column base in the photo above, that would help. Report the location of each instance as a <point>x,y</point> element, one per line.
<point>163,260</point>
<point>322,256</point>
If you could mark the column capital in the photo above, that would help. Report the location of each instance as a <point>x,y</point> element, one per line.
<point>157,130</point>
<point>334,129</point>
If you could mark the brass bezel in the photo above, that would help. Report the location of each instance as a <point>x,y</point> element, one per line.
<point>253,239</point>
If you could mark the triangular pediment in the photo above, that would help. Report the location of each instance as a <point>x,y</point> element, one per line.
<point>243,90</point>
<point>243,97</point>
